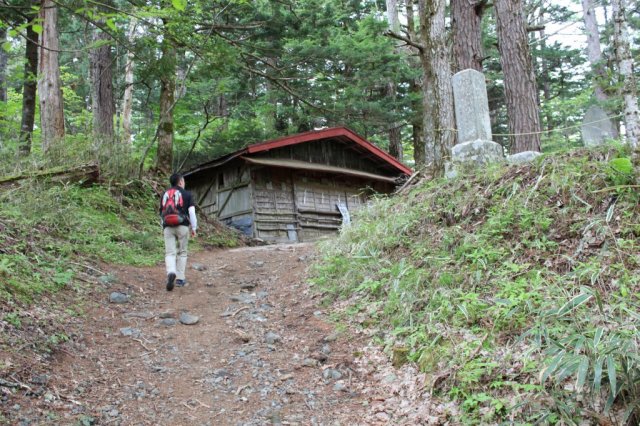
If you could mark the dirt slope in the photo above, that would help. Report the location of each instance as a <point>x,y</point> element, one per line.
<point>262,352</point>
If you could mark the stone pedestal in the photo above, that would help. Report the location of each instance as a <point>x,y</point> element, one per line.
<point>523,157</point>
<point>477,153</point>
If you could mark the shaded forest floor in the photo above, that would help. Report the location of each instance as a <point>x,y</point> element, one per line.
<point>262,352</point>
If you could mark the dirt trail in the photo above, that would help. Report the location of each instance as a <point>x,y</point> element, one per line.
<point>262,352</point>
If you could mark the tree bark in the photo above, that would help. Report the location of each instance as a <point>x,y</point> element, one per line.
<point>102,101</point>
<point>625,67</point>
<point>542,68</point>
<point>392,16</point>
<point>467,34</point>
<point>437,90</point>
<point>416,88</point>
<point>546,86</point>
<point>127,100</point>
<point>164,159</point>
<point>271,117</point>
<point>3,65</point>
<point>394,134</point>
<point>29,87</point>
<point>419,149</point>
<point>601,80</point>
<point>181,74</point>
<point>49,83</point>
<point>222,110</point>
<point>519,79</point>
<point>395,141</point>
<point>594,51</point>
<point>411,24</point>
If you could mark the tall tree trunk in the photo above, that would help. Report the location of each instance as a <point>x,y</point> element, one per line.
<point>49,83</point>
<point>395,136</point>
<point>625,67</point>
<point>127,100</point>
<point>546,86</point>
<point>164,160</point>
<point>222,110</point>
<point>392,15</point>
<point>543,72</point>
<point>411,23</point>
<point>594,51</point>
<point>437,89</point>
<point>3,65</point>
<point>29,91</point>
<point>181,74</point>
<point>417,124</point>
<point>419,150</point>
<point>467,34</point>
<point>102,101</point>
<point>519,79</point>
<point>601,80</point>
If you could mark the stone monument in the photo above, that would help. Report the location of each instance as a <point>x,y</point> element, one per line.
<point>596,127</point>
<point>475,147</point>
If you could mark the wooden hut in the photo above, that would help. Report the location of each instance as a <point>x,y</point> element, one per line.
<point>296,188</point>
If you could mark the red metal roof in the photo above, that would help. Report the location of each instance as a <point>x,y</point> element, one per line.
<point>327,134</point>
<point>335,132</point>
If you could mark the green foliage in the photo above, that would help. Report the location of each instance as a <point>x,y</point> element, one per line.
<point>536,266</point>
<point>622,171</point>
<point>13,318</point>
<point>88,220</point>
<point>10,121</point>
<point>265,69</point>
<point>57,338</point>
<point>48,228</point>
<point>179,5</point>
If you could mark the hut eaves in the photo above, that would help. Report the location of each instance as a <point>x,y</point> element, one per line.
<point>303,165</point>
<point>338,133</point>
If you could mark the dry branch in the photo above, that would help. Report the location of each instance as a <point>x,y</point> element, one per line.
<point>407,40</point>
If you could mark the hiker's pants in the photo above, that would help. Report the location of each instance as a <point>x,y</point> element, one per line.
<point>176,239</point>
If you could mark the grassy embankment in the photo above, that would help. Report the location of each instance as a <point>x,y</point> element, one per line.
<point>516,289</point>
<point>54,241</point>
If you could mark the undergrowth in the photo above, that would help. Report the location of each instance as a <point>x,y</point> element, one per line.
<point>516,289</point>
<point>48,230</point>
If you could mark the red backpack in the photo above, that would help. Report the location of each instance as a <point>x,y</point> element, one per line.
<point>172,205</point>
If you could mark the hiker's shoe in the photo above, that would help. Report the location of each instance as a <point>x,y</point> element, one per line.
<point>181,283</point>
<point>171,278</point>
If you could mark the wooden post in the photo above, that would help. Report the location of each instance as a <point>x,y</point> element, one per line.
<point>295,205</point>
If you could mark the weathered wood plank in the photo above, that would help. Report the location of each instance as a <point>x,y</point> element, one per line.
<point>234,214</point>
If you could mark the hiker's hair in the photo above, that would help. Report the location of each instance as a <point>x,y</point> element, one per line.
<point>175,178</point>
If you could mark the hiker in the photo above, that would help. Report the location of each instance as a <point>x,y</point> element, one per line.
<point>178,213</point>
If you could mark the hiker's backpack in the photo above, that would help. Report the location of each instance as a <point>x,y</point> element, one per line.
<point>172,205</point>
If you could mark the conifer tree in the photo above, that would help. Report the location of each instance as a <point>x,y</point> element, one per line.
<point>49,83</point>
<point>519,78</point>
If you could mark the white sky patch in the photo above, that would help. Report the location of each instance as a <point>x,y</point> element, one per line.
<point>572,34</point>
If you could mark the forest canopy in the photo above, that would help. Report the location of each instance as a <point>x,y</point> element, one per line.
<point>164,85</point>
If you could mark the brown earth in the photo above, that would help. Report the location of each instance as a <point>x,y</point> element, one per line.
<point>262,352</point>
